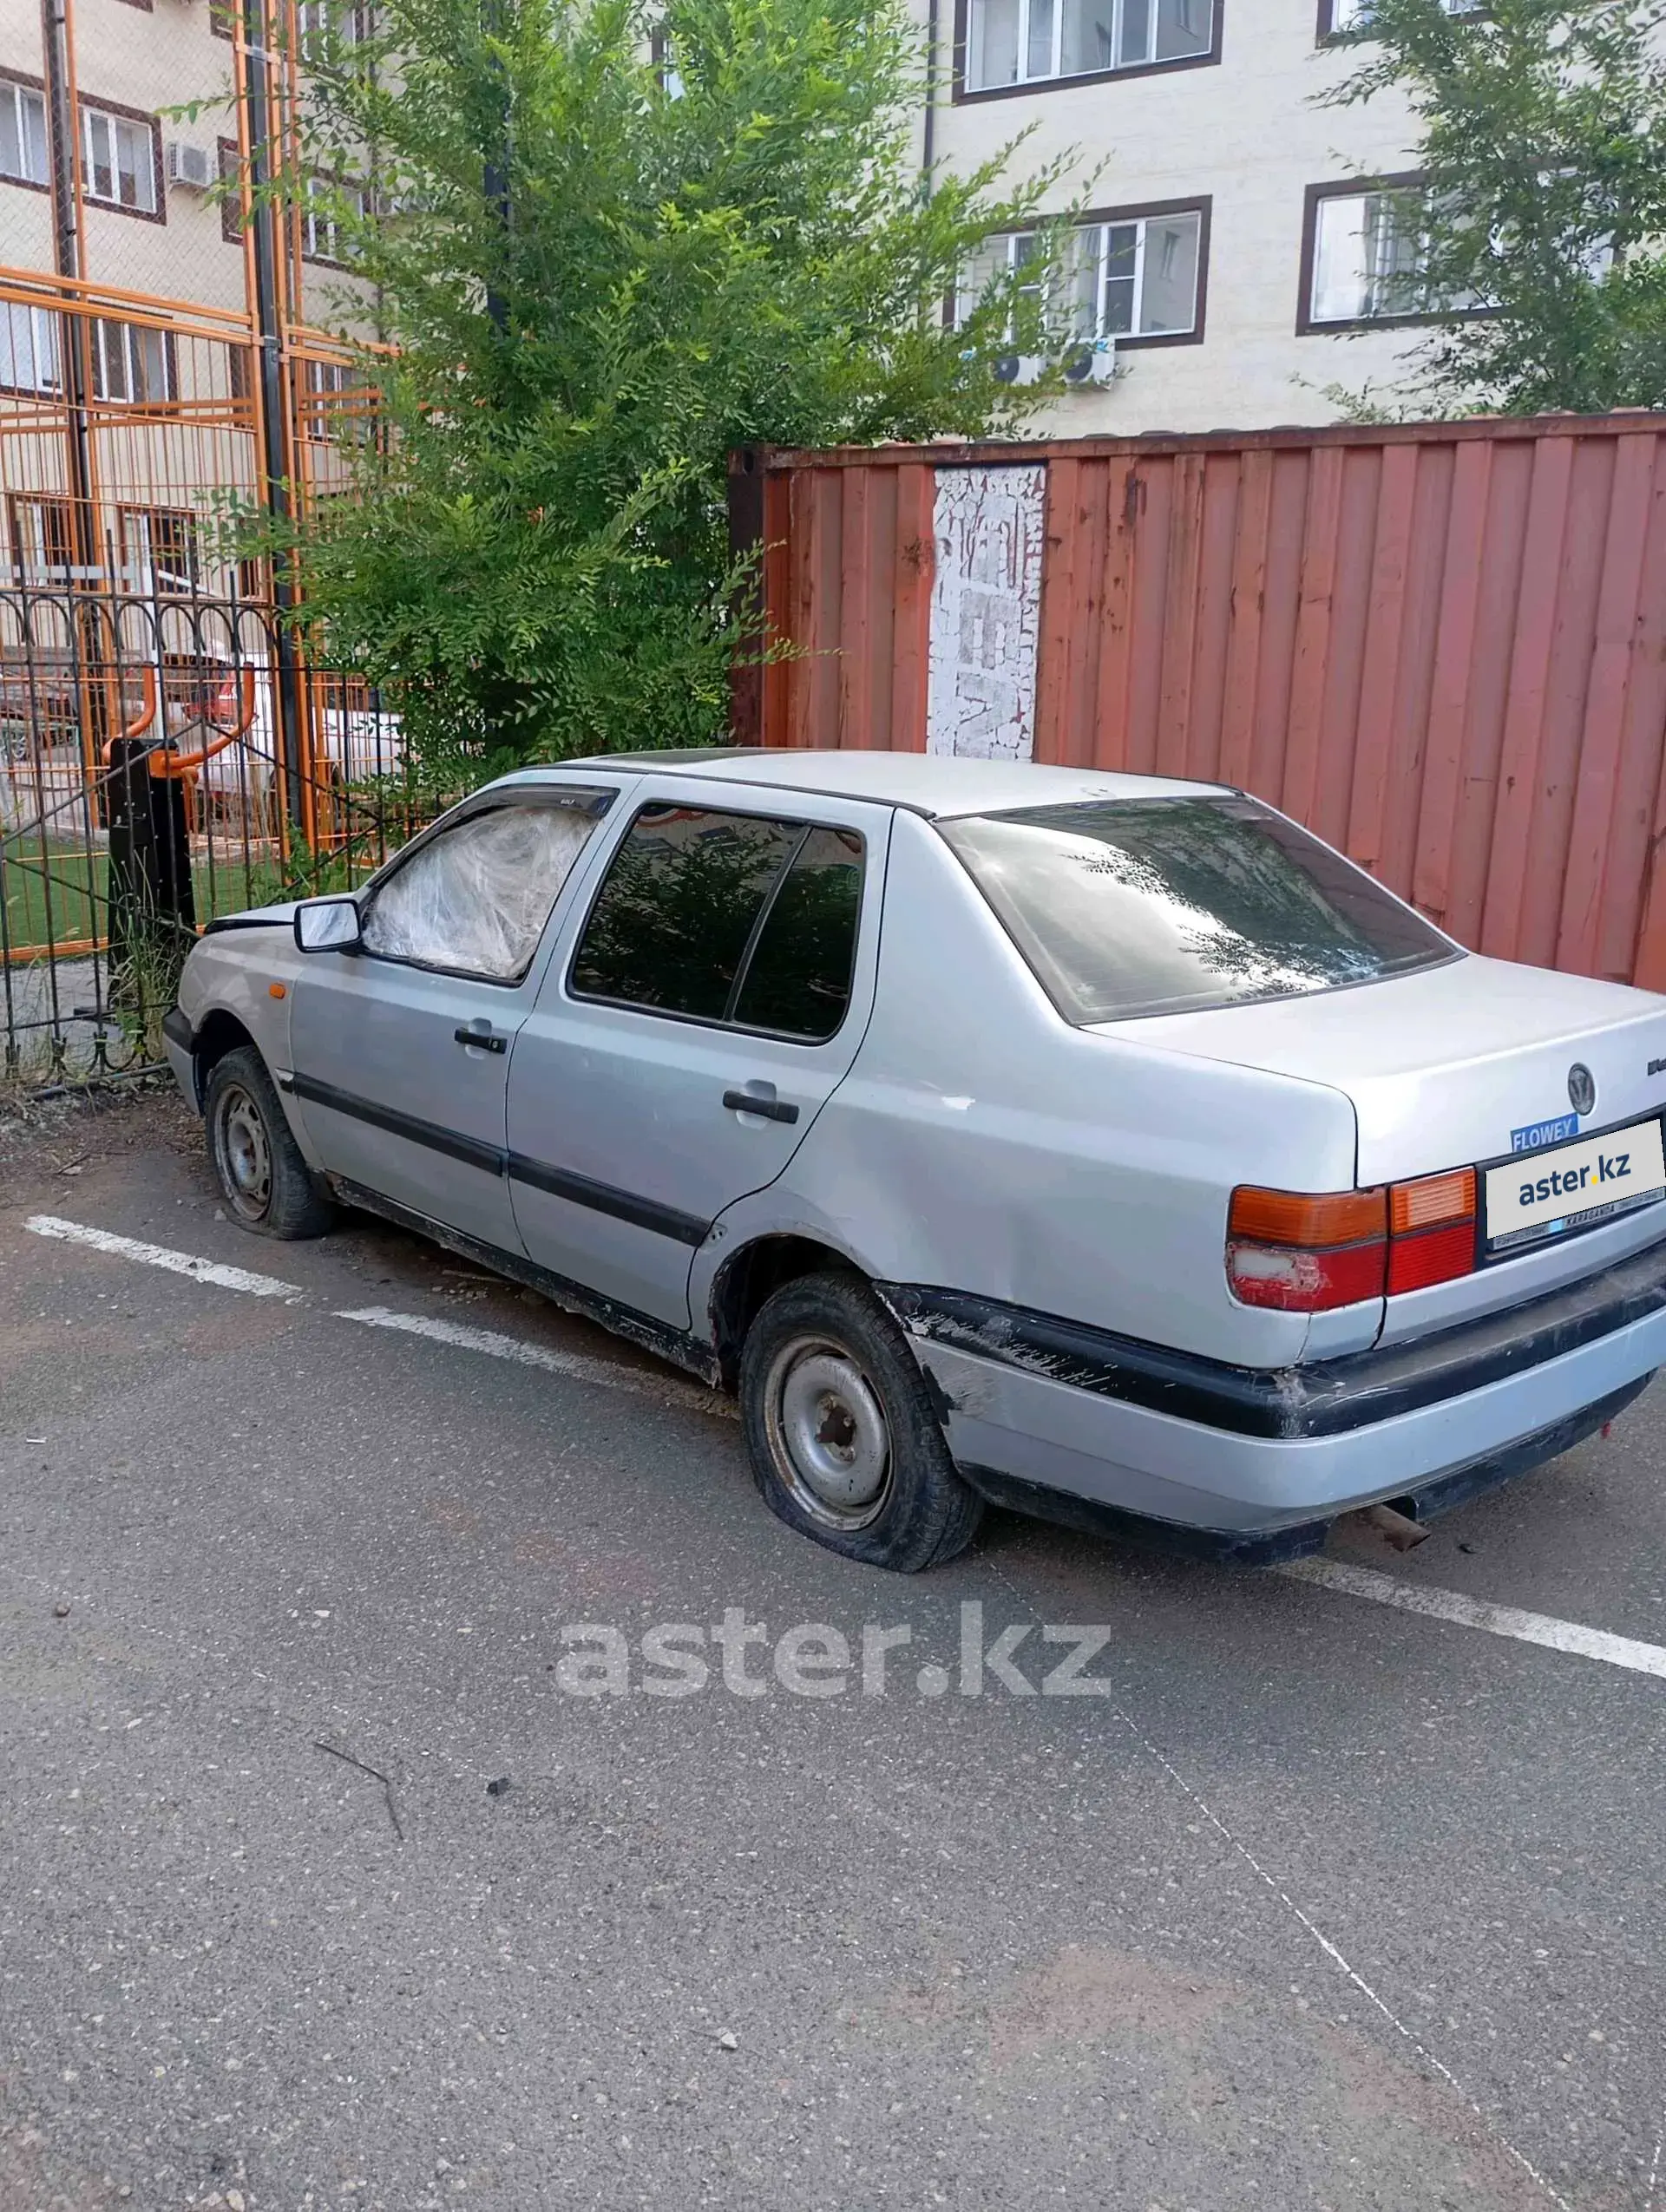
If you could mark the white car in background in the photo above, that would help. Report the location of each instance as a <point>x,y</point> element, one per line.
<point>1099,1146</point>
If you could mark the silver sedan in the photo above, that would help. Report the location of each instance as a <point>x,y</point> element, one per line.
<point>1103,1147</point>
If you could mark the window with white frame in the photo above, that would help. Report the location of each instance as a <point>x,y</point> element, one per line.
<point>325,203</point>
<point>1355,15</point>
<point>1126,277</point>
<point>328,26</point>
<point>159,549</point>
<point>1367,255</point>
<point>1024,42</point>
<point>131,362</point>
<point>23,134</point>
<point>29,349</point>
<point>118,157</point>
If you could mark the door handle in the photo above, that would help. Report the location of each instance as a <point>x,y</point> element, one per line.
<point>483,1040</point>
<point>772,1108</point>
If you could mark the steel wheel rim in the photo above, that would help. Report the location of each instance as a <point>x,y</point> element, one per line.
<point>244,1151</point>
<point>828,1433</point>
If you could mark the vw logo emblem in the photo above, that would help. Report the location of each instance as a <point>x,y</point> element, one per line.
<point>1582,1088</point>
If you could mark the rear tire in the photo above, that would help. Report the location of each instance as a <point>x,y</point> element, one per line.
<point>842,1438</point>
<point>267,1186</point>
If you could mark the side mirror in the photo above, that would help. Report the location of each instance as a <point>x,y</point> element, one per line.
<point>327,926</point>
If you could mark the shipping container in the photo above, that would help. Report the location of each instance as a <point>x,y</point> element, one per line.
<point>1441,645</point>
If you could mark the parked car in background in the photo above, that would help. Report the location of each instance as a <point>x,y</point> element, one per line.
<point>1100,1146</point>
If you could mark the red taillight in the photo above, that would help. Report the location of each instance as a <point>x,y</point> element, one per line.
<point>1305,1253</point>
<point>1432,1225</point>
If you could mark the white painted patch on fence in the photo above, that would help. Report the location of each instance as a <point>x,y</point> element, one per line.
<point>1460,1612</point>
<point>158,1255</point>
<point>986,611</point>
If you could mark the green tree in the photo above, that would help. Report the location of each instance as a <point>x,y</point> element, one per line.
<point>1544,143</point>
<point>609,242</point>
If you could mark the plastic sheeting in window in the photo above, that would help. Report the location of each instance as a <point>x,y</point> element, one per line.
<point>476,898</point>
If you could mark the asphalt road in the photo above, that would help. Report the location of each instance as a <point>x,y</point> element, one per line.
<point>1325,1904</point>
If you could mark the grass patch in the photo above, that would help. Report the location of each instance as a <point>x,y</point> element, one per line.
<point>60,897</point>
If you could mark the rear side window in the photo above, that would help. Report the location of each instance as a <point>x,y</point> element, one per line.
<point>797,981</point>
<point>726,918</point>
<point>1125,908</point>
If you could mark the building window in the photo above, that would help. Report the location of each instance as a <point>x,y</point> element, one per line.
<point>43,542</point>
<point>231,205</point>
<point>1011,43</point>
<point>1364,257</point>
<point>159,549</point>
<point>324,204</point>
<point>132,361</point>
<point>29,349</point>
<point>1337,17</point>
<point>326,27</point>
<point>120,159</point>
<point>23,134</point>
<point>1133,274</point>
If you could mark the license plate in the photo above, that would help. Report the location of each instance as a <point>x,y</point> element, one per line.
<point>1541,1194</point>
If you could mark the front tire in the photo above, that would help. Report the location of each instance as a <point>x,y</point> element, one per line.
<point>266,1183</point>
<point>842,1438</point>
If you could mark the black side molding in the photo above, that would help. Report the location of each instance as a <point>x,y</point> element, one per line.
<point>471,1150</point>
<point>177,1029</point>
<point>1325,1399</point>
<point>606,1198</point>
<point>493,1160</point>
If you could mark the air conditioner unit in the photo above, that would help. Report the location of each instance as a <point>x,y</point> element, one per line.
<point>1019,369</point>
<point>192,167</point>
<point>1091,364</point>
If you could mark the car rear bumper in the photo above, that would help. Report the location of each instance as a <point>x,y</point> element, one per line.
<point>1240,1454</point>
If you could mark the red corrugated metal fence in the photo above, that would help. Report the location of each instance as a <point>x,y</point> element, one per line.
<point>1440,645</point>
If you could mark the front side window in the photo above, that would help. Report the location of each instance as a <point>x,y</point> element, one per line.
<point>1024,42</point>
<point>726,918</point>
<point>1125,907</point>
<point>119,160</point>
<point>1129,277</point>
<point>22,135</point>
<point>474,899</point>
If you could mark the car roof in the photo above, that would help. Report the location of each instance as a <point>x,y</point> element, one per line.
<point>928,784</point>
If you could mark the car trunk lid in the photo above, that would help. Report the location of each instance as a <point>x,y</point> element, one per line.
<point>1448,1066</point>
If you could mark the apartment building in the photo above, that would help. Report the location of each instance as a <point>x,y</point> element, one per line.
<point>1242,248</point>
<point>128,399</point>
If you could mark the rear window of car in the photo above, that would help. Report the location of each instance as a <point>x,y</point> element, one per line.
<point>1125,907</point>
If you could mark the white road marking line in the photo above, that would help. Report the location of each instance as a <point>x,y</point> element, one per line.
<point>1305,1921</point>
<point>1479,1613</point>
<point>668,1389</point>
<point>157,1255</point>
